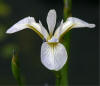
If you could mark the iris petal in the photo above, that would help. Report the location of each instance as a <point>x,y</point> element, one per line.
<point>51,20</point>
<point>53,56</point>
<point>73,22</point>
<point>44,31</point>
<point>28,22</point>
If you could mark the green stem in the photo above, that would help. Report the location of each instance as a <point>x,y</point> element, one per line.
<point>62,75</point>
<point>57,78</point>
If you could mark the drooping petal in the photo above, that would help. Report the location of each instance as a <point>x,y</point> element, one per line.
<point>73,22</point>
<point>20,25</point>
<point>51,20</point>
<point>44,31</point>
<point>28,22</point>
<point>53,56</point>
<point>78,23</point>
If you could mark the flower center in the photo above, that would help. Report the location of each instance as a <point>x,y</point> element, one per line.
<point>53,40</point>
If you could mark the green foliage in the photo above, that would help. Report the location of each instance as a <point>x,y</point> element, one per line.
<point>16,69</point>
<point>67,8</point>
<point>5,9</point>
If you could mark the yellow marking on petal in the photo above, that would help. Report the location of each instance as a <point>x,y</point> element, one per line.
<point>48,38</point>
<point>40,34</point>
<point>66,31</point>
<point>52,45</point>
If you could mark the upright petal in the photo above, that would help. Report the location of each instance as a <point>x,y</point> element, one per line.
<point>44,31</point>
<point>51,20</point>
<point>28,22</point>
<point>58,31</point>
<point>53,56</point>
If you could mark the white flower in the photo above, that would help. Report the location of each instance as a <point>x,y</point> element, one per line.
<point>53,53</point>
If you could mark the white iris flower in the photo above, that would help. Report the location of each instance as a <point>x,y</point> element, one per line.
<point>53,53</point>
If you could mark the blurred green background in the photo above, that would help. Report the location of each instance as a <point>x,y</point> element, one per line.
<point>83,63</point>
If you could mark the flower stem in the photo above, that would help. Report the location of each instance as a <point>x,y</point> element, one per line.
<point>62,75</point>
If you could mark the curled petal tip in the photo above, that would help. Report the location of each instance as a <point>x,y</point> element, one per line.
<point>8,32</point>
<point>92,25</point>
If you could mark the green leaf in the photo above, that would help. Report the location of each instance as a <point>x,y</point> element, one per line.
<point>16,69</point>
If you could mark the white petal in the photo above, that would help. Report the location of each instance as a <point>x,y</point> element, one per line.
<point>73,22</point>
<point>78,23</point>
<point>22,24</point>
<point>65,27</point>
<point>51,20</point>
<point>28,22</point>
<point>58,31</point>
<point>53,56</point>
<point>44,31</point>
